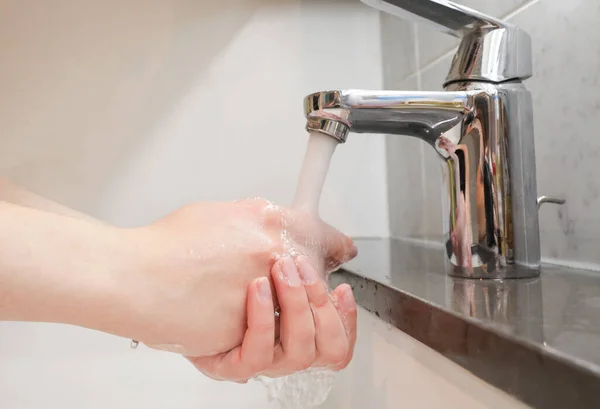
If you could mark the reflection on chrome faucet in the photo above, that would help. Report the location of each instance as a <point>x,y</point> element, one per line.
<point>482,128</point>
<point>460,228</point>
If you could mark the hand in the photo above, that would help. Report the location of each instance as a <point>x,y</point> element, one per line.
<point>313,332</point>
<point>189,293</point>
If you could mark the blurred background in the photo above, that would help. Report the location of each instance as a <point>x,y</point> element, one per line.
<point>129,109</point>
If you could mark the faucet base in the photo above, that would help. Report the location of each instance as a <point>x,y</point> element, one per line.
<point>508,272</point>
<point>484,272</point>
<point>485,264</point>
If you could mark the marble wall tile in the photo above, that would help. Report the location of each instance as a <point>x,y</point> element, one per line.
<point>566,97</point>
<point>405,180</point>
<point>399,46</point>
<point>403,155</point>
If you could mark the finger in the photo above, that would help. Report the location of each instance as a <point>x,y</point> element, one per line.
<point>257,349</point>
<point>313,233</point>
<point>346,306</point>
<point>330,334</point>
<point>296,350</point>
<point>337,247</point>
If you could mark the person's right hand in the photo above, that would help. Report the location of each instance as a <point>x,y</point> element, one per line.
<point>188,295</point>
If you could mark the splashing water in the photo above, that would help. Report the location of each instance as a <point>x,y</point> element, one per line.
<point>303,390</point>
<point>307,389</point>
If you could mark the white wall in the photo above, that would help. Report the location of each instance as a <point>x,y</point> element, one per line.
<point>128,109</point>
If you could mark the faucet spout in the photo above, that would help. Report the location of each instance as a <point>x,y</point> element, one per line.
<point>424,115</point>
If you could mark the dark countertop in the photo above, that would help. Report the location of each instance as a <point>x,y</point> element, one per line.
<point>537,339</point>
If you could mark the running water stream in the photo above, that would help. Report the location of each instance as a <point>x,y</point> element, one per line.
<point>312,177</point>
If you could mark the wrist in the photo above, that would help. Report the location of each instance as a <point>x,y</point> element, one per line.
<point>135,285</point>
<point>95,288</point>
<point>118,298</point>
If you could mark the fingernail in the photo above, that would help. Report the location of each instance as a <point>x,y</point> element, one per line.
<point>353,250</point>
<point>308,273</point>
<point>290,272</point>
<point>264,289</point>
<point>346,301</point>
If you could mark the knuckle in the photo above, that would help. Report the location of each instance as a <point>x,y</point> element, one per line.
<point>318,295</point>
<point>297,307</point>
<point>257,365</point>
<point>268,248</point>
<point>267,243</point>
<point>303,354</point>
<point>342,365</point>
<point>272,217</point>
<point>258,203</point>
<point>275,245</point>
<point>265,327</point>
<point>335,355</point>
<point>304,362</point>
<point>252,208</point>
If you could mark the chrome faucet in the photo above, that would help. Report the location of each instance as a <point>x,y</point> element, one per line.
<point>482,128</point>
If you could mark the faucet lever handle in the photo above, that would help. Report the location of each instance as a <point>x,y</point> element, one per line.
<point>446,16</point>
<point>549,199</point>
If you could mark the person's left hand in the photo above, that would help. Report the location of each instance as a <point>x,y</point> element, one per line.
<point>316,329</point>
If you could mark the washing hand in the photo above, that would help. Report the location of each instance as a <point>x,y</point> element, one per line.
<point>191,291</point>
<point>185,282</point>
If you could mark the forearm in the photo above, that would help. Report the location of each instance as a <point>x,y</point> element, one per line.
<point>11,193</point>
<point>59,269</point>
